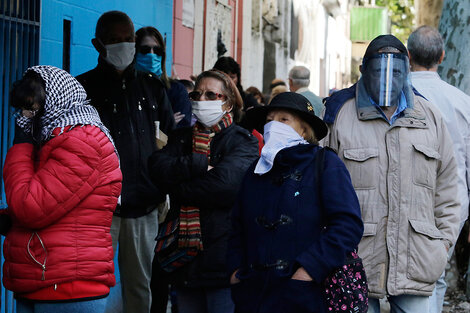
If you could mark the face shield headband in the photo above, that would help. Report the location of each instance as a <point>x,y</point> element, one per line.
<point>385,80</point>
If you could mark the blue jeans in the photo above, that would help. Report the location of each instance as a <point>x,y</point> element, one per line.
<point>204,300</point>
<point>91,306</point>
<point>402,304</point>
<point>436,301</point>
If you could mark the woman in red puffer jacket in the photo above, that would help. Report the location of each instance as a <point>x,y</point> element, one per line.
<point>62,183</point>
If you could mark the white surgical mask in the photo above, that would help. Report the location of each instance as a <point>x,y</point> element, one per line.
<point>120,55</point>
<point>277,136</point>
<point>208,113</point>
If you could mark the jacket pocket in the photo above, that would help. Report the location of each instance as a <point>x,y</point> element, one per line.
<point>367,244</point>
<point>427,254</point>
<point>239,296</point>
<point>424,165</point>
<point>302,296</point>
<point>362,164</point>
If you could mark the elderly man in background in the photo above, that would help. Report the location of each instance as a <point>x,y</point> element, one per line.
<point>426,51</point>
<point>299,79</point>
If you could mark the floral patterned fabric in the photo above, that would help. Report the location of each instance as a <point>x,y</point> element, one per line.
<point>346,289</point>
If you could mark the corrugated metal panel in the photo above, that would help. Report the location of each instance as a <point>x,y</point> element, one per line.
<point>368,23</point>
<point>19,49</point>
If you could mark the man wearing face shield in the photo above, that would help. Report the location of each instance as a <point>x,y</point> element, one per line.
<point>400,157</point>
<point>385,83</point>
<point>130,104</point>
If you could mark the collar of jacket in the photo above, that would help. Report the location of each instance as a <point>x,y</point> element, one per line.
<point>296,155</point>
<point>412,116</point>
<point>110,72</point>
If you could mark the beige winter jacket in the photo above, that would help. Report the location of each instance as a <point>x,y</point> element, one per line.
<point>405,178</point>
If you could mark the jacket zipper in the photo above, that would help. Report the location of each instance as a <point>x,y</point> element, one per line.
<point>43,265</point>
<point>131,127</point>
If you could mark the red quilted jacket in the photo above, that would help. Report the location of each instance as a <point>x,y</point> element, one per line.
<point>62,207</point>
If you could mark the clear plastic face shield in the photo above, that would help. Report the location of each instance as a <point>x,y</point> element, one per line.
<point>385,76</point>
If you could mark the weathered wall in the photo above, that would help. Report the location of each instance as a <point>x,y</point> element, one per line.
<point>323,46</point>
<point>83,15</point>
<point>183,43</point>
<point>455,28</point>
<point>252,56</point>
<point>276,34</point>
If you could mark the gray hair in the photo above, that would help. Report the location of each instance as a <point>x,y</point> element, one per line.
<point>300,76</point>
<point>426,45</point>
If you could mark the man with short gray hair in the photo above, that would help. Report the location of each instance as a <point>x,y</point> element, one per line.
<point>426,51</point>
<point>299,79</point>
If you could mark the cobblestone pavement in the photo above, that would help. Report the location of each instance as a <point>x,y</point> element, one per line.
<point>456,302</point>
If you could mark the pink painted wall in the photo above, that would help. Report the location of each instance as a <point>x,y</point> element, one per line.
<point>183,42</point>
<point>240,33</point>
<point>233,4</point>
<point>237,30</point>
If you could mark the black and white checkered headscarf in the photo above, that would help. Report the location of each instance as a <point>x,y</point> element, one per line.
<point>66,104</point>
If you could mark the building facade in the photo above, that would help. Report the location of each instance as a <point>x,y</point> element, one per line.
<point>204,30</point>
<point>267,38</point>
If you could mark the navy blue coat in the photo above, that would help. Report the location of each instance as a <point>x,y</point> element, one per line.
<point>283,221</point>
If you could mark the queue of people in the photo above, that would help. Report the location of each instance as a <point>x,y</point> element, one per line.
<point>224,199</point>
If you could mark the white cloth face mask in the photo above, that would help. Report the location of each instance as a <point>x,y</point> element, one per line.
<point>277,136</point>
<point>208,113</point>
<point>120,55</point>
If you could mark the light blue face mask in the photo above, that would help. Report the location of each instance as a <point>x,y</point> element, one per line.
<point>149,62</point>
<point>277,136</point>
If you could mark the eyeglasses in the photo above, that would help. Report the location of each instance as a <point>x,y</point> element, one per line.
<point>155,49</point>
<point>210,95</point>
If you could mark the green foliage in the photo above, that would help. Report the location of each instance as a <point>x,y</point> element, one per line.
<point>401,13</point>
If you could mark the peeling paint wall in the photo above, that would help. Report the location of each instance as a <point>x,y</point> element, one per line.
<point>455,28</point>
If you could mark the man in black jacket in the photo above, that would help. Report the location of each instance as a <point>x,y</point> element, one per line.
<point>134,107</point>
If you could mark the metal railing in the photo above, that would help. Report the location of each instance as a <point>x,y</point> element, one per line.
<point>19,49</point>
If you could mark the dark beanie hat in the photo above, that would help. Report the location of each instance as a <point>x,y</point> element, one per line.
<point>383,41</point>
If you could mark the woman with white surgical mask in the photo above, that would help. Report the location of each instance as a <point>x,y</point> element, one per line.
<point>296,219</point>
<point>201,168</point>
<point>209,104</point>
